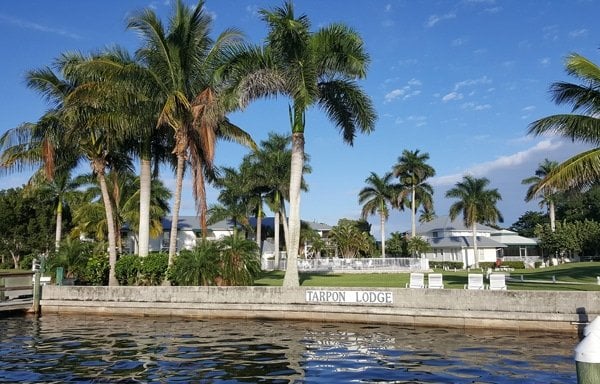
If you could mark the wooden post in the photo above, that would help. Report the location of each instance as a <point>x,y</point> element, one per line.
<point>2,298</point>
<point>36,293</point>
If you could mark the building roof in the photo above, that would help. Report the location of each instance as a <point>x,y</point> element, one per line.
<point>512,238</point>
<point>193,223</point>
<point>443,223</point>
<point>464,242</point>
<point>270,223</point>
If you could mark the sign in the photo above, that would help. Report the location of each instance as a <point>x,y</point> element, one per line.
<point>354,297</point>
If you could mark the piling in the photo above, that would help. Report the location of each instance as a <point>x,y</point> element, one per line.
<point>587,354</point>
<point>36,292</point>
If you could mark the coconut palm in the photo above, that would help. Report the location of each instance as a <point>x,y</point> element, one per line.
<point>310,68</point>
<point>412,170</point>
<point>581,170</point>
<point>376,197</point>
<point>184,63</point>
<point>476,204</point>
<point>547,195</point>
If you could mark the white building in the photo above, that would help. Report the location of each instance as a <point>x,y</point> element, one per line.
<point>451,240</point>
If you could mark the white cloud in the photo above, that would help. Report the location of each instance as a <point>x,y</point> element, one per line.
<point>475,107</point>
<point>545,61</point>
<point>388,7</point>
<point>492,10</point>
<point>4,19</point>
<point>528,108</point>
<point>393,95</point>
<point>578,33</point>
<point>434,19</point>
<point>452,96</point>
<point>472,82</point>
<point>503,162</point>
<point>458,42</point>
<point>405,92</point>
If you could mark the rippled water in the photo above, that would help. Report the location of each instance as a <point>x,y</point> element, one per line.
<point>130,350</point>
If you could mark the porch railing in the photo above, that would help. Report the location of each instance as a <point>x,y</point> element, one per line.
<point>400,264</point>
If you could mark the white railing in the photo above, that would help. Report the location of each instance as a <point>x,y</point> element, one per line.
<point>352,265</point>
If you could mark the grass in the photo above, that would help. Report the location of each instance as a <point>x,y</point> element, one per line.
<point>582,274</point>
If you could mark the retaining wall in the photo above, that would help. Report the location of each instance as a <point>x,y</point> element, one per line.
<point>455,308</point>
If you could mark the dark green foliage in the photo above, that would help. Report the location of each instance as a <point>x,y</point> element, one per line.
<point>579,206</point>
<point>240,261</point>
<point>449,264</point>
<point>525,225</point>
<point>154,268</point>
<point>513,264</point>
<point>127,269</point>
<point>196,267</point>
<point>487,264</point>
<point>397,245</point>
<point>26,225</point>
<point>97,269</point>
<point>73,256</point>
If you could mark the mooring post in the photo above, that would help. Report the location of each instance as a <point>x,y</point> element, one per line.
<point>36,292</point>
<point>587,354</point>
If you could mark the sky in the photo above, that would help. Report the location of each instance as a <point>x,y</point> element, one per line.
<point>460,80</point>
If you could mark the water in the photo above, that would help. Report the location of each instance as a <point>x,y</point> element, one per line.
<point>81,349</point>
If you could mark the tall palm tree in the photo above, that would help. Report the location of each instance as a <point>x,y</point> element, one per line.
<point>271,170</point>
<point>185,63</point>
<point>546,194</point>
<point>477,205</point>
<point>412,170</point>
<point>310,68</point>
<point>583,169</point>
<point>375,198</point>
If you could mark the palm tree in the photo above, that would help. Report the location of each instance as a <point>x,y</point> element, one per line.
<point>375,198</point>
<point>271,172</point>
<point>310,68</point>
<point>184,63</point>
<point>583,169</point>
<point>426,216</point>
<point>412,170</point>
<point>477,205</point>
<point>546,194</point>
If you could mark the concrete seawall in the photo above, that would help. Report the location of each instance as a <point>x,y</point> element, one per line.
<point>451,308</point>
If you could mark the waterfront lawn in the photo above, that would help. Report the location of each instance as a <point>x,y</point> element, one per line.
<point>582,274</point>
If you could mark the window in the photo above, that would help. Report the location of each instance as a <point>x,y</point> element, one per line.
<point>434,234</point>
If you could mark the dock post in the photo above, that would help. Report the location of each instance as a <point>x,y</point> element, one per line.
<point>587,354</point>
<point>36,292</point>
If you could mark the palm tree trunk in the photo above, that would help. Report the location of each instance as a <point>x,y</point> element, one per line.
<point>285,225</point>
<point>382,235</point>
<point>145,188</point>
<point>552,214</point>
<point>475,258</point>
<point>176,206</point>
<point>413,212</point>
<point>58,233</point>
<point>291,278</point>
<point>112,244</point>
<point>259,227</point>
<point>276,239</point>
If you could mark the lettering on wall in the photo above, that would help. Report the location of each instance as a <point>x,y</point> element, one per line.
<point>355,297</point>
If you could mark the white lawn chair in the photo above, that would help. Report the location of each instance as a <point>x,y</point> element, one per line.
<point>435,281</point>
<point>417,280</point>
<point>498,282</point>
<point>475,281</point>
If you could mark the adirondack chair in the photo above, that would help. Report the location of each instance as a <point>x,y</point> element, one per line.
<point>475,281</point>
<point>435,281</point>
<point>417,280</point>
<point>498,282</point>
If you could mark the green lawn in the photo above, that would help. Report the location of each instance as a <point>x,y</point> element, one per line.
<point>575,272</point>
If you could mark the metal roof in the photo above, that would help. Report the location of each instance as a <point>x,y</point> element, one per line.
<point>464,242</point>
<point>443,223</point>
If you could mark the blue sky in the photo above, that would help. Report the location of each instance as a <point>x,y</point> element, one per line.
<point>460,80</point>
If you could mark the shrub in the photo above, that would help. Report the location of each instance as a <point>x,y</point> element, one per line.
<point>97,268</point>
<point>240,261</point>
<point>154,268</point>
<point>73,256</point>
<point>448,264</point>
<point>198,266</point>
<point>487,265</point>
<point>538,264</point>
<point>514,264</point>
<point>127,269</point>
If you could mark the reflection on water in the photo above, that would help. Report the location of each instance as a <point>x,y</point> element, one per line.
<point>131,350</point>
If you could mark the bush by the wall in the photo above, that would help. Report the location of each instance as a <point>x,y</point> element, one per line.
<point>538,264</point>
<point>514,264</point>
<point>154,268</point>
<point>96,269</point>
<point>487,265</point>
<point>127,269</point>
<point>447,264</point>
